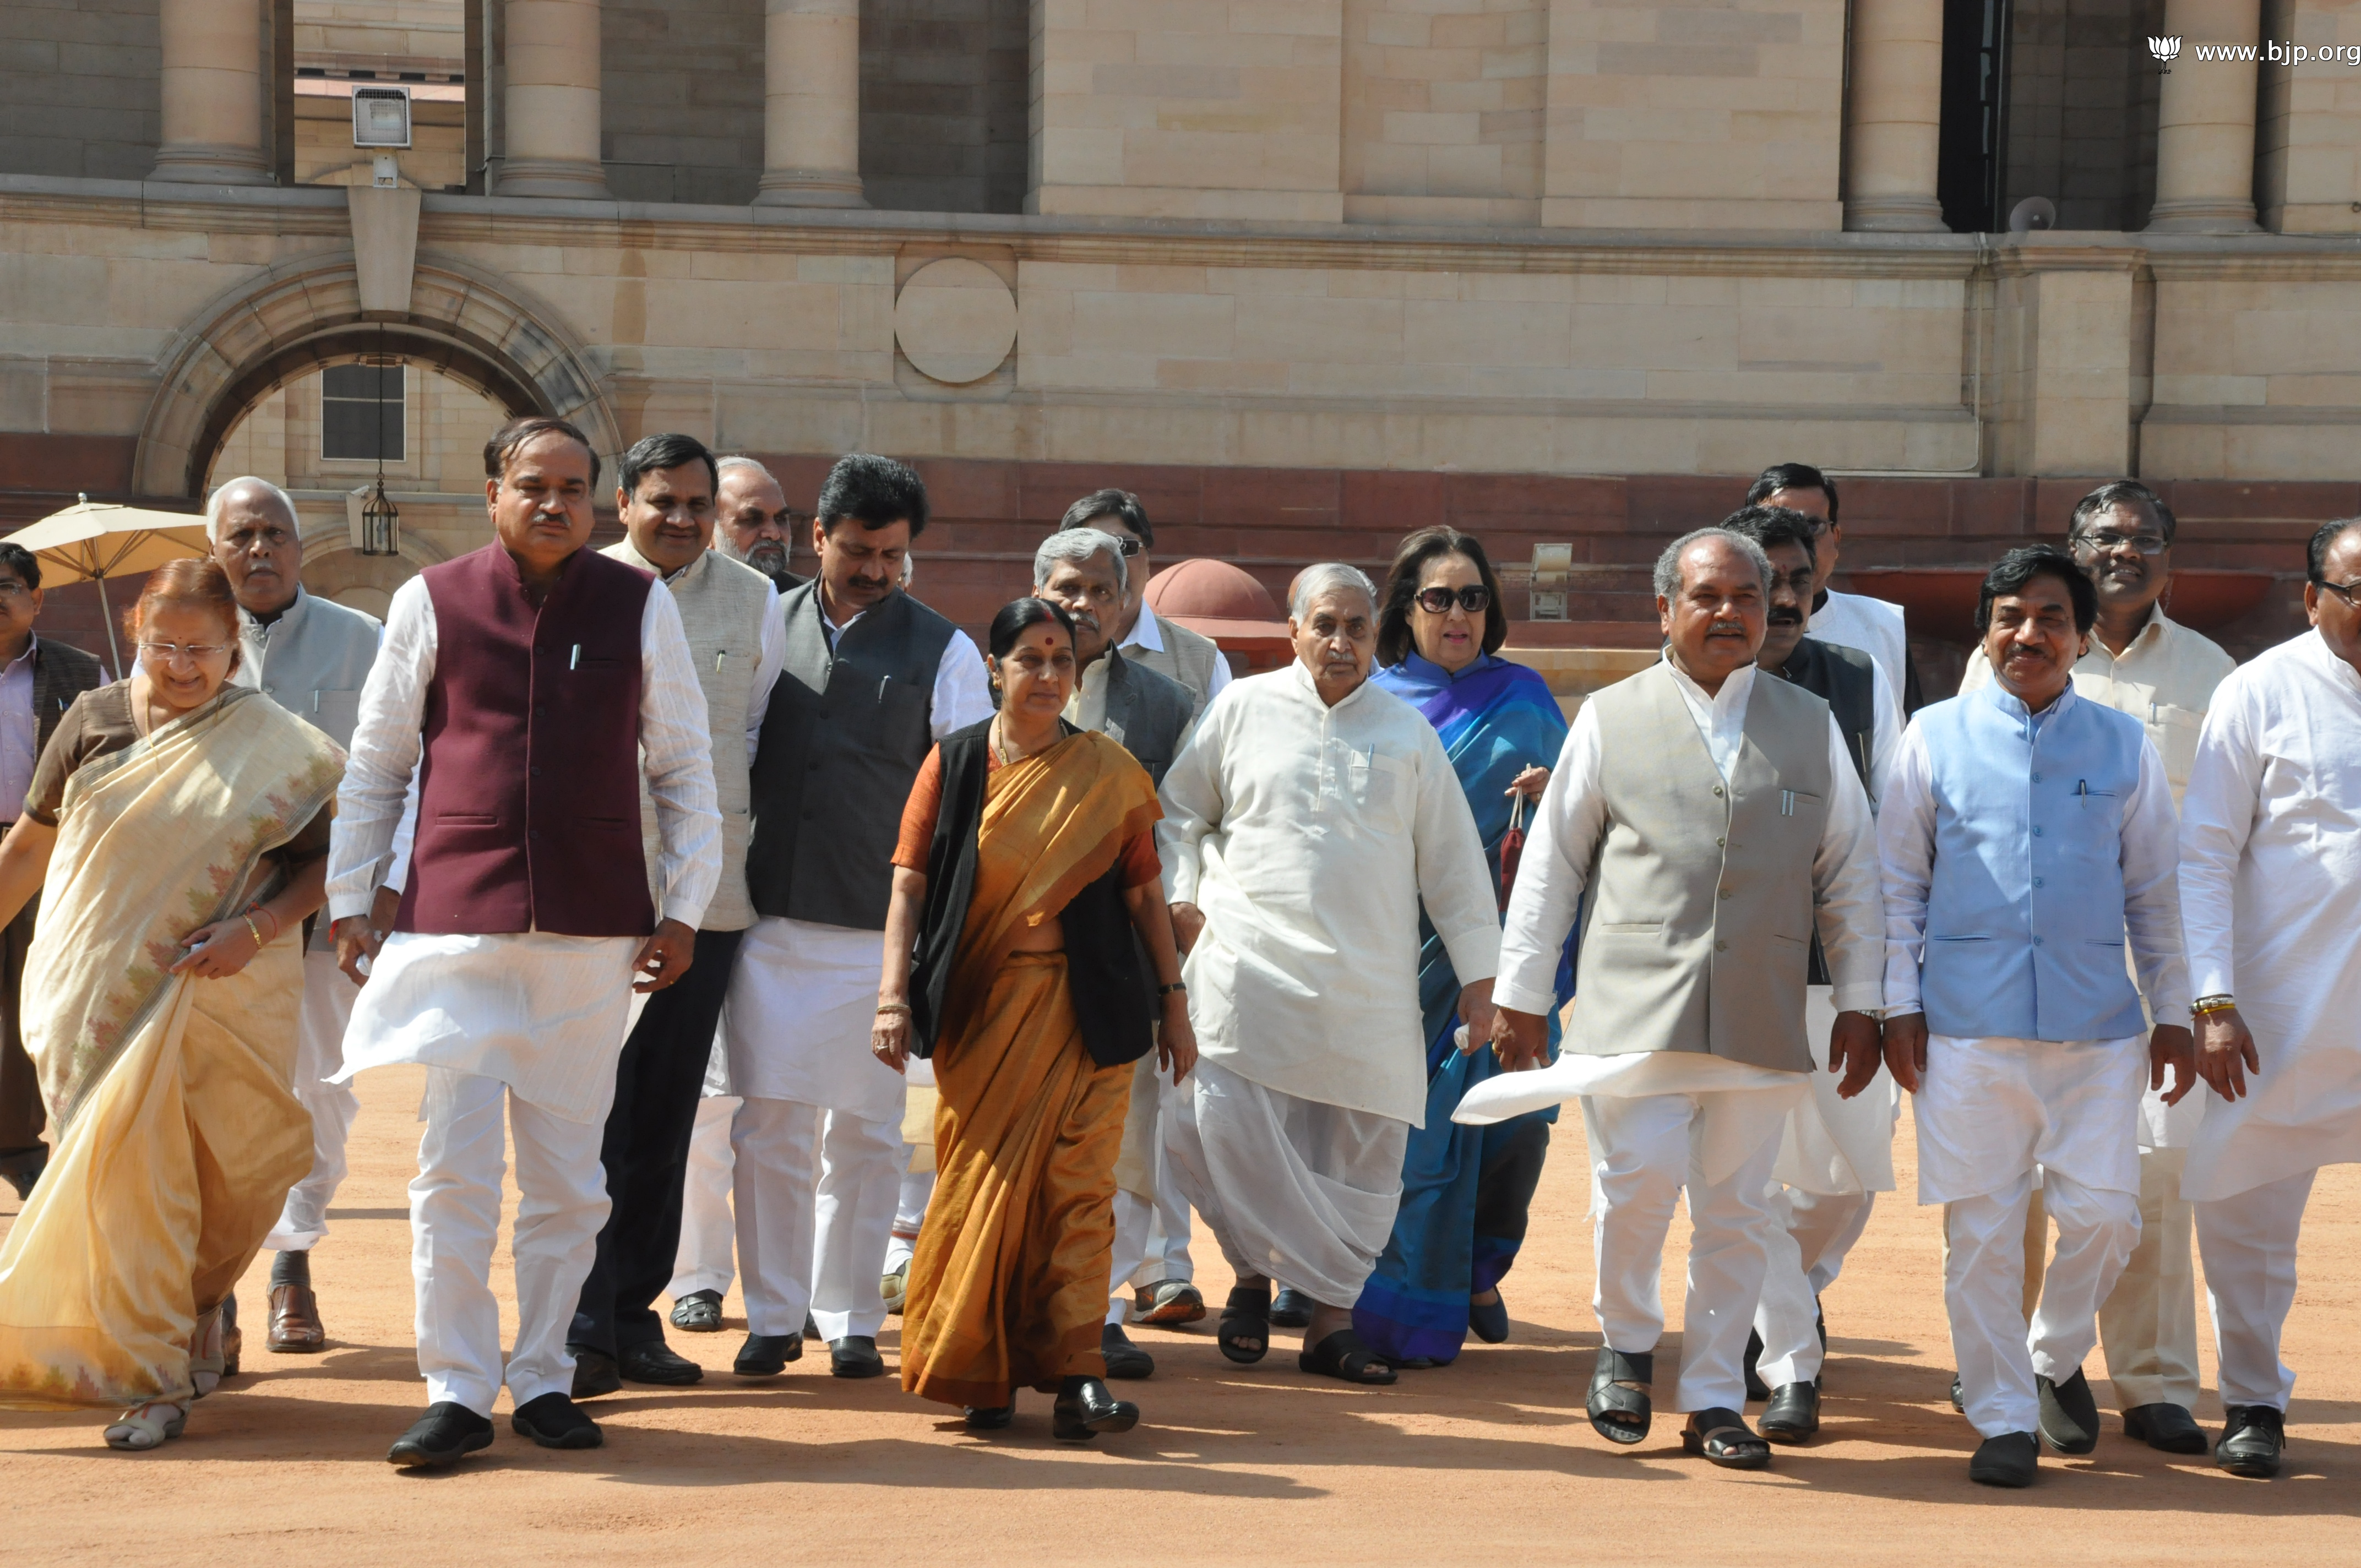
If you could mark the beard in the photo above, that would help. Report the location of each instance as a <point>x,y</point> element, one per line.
<point>769,556</point>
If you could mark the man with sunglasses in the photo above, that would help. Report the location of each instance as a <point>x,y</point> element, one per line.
<point>2140,662</point>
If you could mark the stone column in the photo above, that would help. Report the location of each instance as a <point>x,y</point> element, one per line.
<point>1892,134</point>
<point>811,92</point>
<point>2205,123</point>
<point>212,94</point>
<point>552,112</point>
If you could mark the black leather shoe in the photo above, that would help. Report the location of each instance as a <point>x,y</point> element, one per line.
<point>766,1355</point>
<point>2011,1459</point>
<point>1086,1409</point>
<point>1755,1387</point>
<point>553,1422</point>
<point>1793,1415</point>
<point>656,1362</point>
<point>989,1418</point>
<point>595,1373</point>
<point>440,1436</point>
<point>2254,1437</point>
<point>1290,1309</point>
<point>2069,1413</point>
<point>855,1355</point>
<point>1125,1360</point>
<point>2168,1428</point>
<point>21,1169</point>
<point>1959,1397</point>
<point>698,1313</point>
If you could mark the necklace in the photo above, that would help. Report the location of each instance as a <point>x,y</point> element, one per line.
<point>1001,748</point>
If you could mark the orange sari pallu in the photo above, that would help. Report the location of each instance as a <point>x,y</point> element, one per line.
<point>1009,1286</point>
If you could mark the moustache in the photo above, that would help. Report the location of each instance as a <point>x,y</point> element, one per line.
<point>1725,628</point>
<point>1785,617</point>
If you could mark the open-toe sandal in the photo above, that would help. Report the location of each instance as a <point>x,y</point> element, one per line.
<point>1347,1358</point>
<point>1723,1438</point>
<point>1618,1412</point>
<point>1246,1315</point>
<point>208,1360</point>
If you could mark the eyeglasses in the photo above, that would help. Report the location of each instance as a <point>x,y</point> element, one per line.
<point>2106,542</point>
<point>1127,544</point>
<point>2349,592</point>
<point>1474,599</point>
<point>196,653</point>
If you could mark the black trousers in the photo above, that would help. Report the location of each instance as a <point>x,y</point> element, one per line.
<point>645,1151</point>
<point>21,1115</point>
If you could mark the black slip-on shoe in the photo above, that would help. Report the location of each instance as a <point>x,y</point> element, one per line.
<point>1959,1396</point>
<point>555,1421</point>
<point>440,1437</point>
<point>698,1313</point>
<point>1125,1360</point>
<point>1086,1409</point>
<point>595,1373</point>
<point>1755,1387</point>
<point>1290,1309</point>
<point>988,1418</point>
<point>2254,1439</point>
<point>2069,1413</point>
<point>1794,1414</point>
<point>2167,1428</point>
<point>2011,1459</point>
<point>766,1355</point>
<point>855,1355</point>
<point>656,1362</point>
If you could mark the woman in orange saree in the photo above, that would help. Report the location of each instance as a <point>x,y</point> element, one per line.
<point>1026,866</point>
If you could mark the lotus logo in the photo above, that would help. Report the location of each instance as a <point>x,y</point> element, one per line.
<point>2166,50</point>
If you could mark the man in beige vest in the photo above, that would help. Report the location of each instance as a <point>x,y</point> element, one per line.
<point>1715,822</point>
<point>665,490</point>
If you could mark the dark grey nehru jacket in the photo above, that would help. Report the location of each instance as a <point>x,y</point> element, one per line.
<point>842,741</point>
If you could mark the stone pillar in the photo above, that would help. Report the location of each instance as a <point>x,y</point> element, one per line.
<point>212,94</point>
<point>2205,124</point>
<point>811,94</point>
<point>551,110</point>
<point>1893,130</point>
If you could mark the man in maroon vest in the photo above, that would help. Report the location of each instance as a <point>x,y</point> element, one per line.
<point>530,684</point>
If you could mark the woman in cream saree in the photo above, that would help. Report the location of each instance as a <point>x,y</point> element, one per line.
<point>160,1001</point>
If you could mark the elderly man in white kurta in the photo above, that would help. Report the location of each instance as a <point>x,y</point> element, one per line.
<point>1305,825</point>
<point>1705,821</point>
<point>2270,880</point>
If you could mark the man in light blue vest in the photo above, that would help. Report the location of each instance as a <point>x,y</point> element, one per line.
<point>2027,833</point>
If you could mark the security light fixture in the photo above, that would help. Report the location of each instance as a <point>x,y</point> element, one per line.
<point>381,116</point>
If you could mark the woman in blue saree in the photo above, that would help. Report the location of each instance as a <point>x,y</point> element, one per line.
<point>1464,1189</point>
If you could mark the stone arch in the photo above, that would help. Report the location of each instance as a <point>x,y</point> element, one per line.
<point>306,313</point>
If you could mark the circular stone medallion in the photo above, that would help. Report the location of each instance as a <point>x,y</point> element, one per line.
<point>955,320</point>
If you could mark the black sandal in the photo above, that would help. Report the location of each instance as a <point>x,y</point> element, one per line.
<point>1245,1313</point>
<point>1347,1358</point>
<point>1620,1414</point>
<point>1723,1438</point>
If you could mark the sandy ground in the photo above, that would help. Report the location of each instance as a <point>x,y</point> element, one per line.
<point>1489,1460</point>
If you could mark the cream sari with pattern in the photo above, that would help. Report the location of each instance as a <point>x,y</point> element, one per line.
<point>176,1135</point>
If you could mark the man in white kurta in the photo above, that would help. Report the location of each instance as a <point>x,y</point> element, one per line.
<point>1712,816</point>
<point>1305,825</point>
<point>516,1020</point>
<point>2271,845</point>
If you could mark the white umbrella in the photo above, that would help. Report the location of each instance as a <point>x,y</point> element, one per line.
<point>93,541</point>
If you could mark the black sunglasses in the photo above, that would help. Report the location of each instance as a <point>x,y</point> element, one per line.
<point>1438,601</point>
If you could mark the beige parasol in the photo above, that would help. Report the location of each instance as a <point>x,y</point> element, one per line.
<point>93,541</point>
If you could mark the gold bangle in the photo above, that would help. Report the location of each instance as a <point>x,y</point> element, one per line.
<point>2205,1004</point>
<point>893,1007</point>
<point>256,929</point>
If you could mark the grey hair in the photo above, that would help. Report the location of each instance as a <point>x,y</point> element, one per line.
<point>1081,544</point>
<point>1668,564</point>
<point>723,465</point>
<point>1327,577</point>
<point>214,503</point>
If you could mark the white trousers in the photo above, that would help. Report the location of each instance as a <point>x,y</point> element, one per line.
<point>455,1217</point>
<point>1811,1233</point>
<point>1134,1218</point>
<point>2248,1242</point>
<point>706,1261</point>
<point>815,1191</point>
<point>910,1211</point>
<point>1983,1287</point>
<point>1643,1150</point>
<point>1165,1251</point>
<point>328,998</point>
<point>2147,1324</point>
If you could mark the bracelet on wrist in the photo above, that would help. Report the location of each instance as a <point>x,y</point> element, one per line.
<point>1175,987</point>
<point>2218,1003</point>
<point>902,1007</point>
<point>254,930</point>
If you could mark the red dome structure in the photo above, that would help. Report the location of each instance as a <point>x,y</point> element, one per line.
<point>1218,600</point>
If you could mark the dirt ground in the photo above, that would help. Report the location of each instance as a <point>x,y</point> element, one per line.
<point>1489,1460</point>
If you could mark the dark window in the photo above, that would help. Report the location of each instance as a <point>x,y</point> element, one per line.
<point>360,412</point>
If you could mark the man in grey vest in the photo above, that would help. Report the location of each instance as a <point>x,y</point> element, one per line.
<point>663,490</point>
<point>1083,570</point>
<point>313,655</point>
<point>1836,1154</point>
<point>872,679</point>
<point>1166,1294</point>
<point>1714,822</point>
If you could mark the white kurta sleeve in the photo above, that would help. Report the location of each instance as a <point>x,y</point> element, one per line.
<point>2151,862</point>
<point>1454,881</point>
<point>676,752</point>
<point>962,692</point>
<point>1566,827</point>
<point>1850,908</point>
<point>1221,678</point>
<point>1886,735</point>
<point>771,658</point>
<point>2217,817</point>
<point>1905,849</point>
<point>1193,805</point>
<point>384,752</point>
